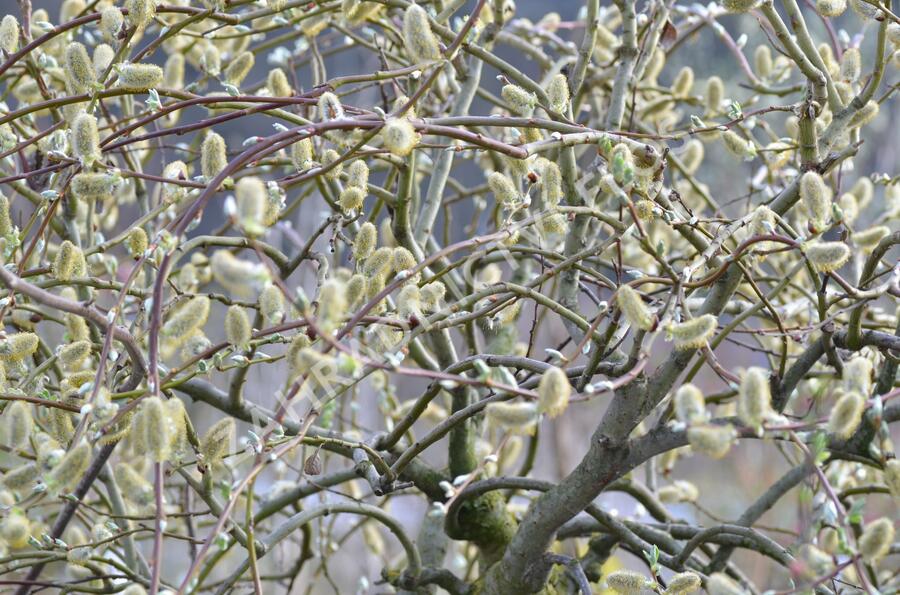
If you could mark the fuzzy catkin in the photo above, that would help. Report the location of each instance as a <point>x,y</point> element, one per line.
<point>418,38</point>
<point>173,72</point>
<point>754,397</point>
<point>17,424</point>
<point>302,154</point>
<point>79,68</point>
<point>831,8</point>
<point>868,239</point>
<point>516,418</point>
<point>719,583</point>
<point>271,304</point>
<point>9,34</point>
<point>683,583</point>
<point>217,441</point>
<point>111,21</point>
<point>277,83</point>
<point>715,93</point>
<point>330,107</point>
<point>213,155</point>
<point>633,308</point>
<point>140,12</point>
<point>504,189</point>
<point>72,356</point>
<point>250,193</point>
<point>237,327</point>
<point>140,76</point>
<point>188,317</point>
<point>137,242</point>
<point>690,406</point>
<point>846,415</point>
<point>816,197</point>
<point>521,102</point>
<point>135,489</point>
<point>558,93</point>
<point>553,391</point>
<point>86,139</point>
<point>827,256</point>
<point>876,539</point>
<point>18,346</point>
<point>351,198</point>
<point>399,136</point>
<point>693,333</point>
<point>712,441</point>
<point>68,472</point>
<point>358,174</point>
<point>69,263</point>
<point>92,186</point>
<point>155,432</point>
<point>627,582</point>
<point>238,69</point>
<point>857,376</point>
<point>364,243</point>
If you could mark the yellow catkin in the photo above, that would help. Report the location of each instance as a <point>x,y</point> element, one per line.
<point>277,83</point>
<point>6,223</point>
<point>85,139</point>
<point>851,65</point>
<point>693,333</point>
<point>188,317</point>
<point>693,155</point>
<point>551,185</point>
<point>520,101</point>
<point>399,136</point>
<point>553,391</point>
<point>140,76</point>
<point>102,59</point>
<point>816,197</point>
<point>690,406</point>
<point>302,154</point>
<point>712,441</point>
<point>9,34</point>
<point>19,346</point>
<point>683,583</point>
<point>69,263</point>
<point>358,174</point>
<point>217,441</point>
<point>92,186</point>
<point>15,529</point>
<point>627,582</point>
<point>238,68</point>
<point>137,242</point>
<point>846,415</point>
<point>69,471</point>
<point>754,397</point>
<point>876,539</point>
<point>156,432</point>
<point>420,41</point>
<point>79,68</point>
<point>211,61</point>
<point>140,12</point>
<point>271,304</point>
<point>738,145</point>
<point>364,243</point>
<point>72,356</point>
<point>633,308</point>
<point>679,491</point>
<point>21,479</point>
<point>237,327</point>
<point>740,5</point>
<point>558,93</point>
<point>378,264</point>
<point>351,198</point>
<point>864,115</point>
<point>16,424</point>
<point>111,21</point>
<point>515,418</point>
<point>332,163</point>
<point>827,256</point>
<point>719,583</point>
<point>504,189</point>
<point>762,60</point>
<point>213,155</point>
<point>402,259</point>
<point>251,197</point>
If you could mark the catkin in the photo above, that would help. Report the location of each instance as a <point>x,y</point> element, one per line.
<point>553,391</point>
<point>876,539</point>
<point>851,65</point>
<point>846,415</point>
<point>627,582</point>
<point>364,243</point>
<point>137,242</point>
<point>330,107</point>
<point>79,68</point>
<point>693,333</point>
<point>712,441</point>
<point>358,174</point>
<point>690,406</point>
<point>17,424</point>
<point>684,82</point>
<point>633,308</point>
<point>827,256</point>
<point>251,198</point>
<point>72,356</point>
<point>271,304</point>
<point>399,136</point>
<point>864,115</point>
<point>6,223</point>
<point>402,259</point>
<point>762,60</point>
<point>217,441</point>
<point>719,583</point>
<point>515,418</point>
<point>868,239</point>
<point>19,346</point>
<point>331,161</point>
<point>831,8</point>
<point>173,71</point>
<point>277,83</point>
<point>520,101</point>
<point>188,317</point>
<point>153,436</point>
<point>693,155</point>
<point>85,139</point>
<point>816,197</point>
<point>69,263</point>
<point>740,5</point>
<point>111,20</point>
<point>351,198</point>
<point>551,185</point>
<point>140,76</point>
<point>237,327</point>
<point>140,12</point>
<point>892,477</point>
<point>683,583</point>
<point>754,397</point>
<point>558,93</point>
<point>21,479</point>
<point>68,472</point>
<point>9,34</point>
<point>92,186</point>
<point>238,69</point>
<point>418,38</point>
<point>715,93</point>
<point>213,155</point>
<point>738,145</point>
<point>302,154</point>
<point>134,488</point>
<point>504,189</point>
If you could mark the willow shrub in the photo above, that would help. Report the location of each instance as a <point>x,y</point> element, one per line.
<point>491,227</point>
